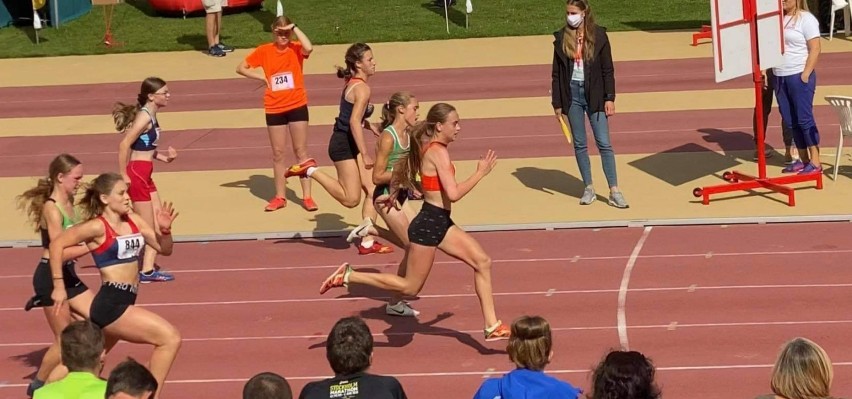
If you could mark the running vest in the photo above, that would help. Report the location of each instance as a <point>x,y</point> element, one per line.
<point>398,151</point>
<point>67,222</point>
<point>341,123</point>
<point>118,249</point>
<point>147,141</point>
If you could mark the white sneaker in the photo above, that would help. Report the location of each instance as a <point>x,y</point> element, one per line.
<point>362,230</point>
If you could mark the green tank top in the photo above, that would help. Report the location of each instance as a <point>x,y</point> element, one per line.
<point>67,222</point>
<point>398,151</point>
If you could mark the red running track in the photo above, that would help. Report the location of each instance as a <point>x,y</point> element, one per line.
<point>710,304</point>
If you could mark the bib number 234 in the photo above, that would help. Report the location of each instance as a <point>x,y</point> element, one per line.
<point>282,81</point>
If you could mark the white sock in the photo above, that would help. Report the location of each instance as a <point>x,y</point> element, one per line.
<point>311,170</point>
<point>367,242</point>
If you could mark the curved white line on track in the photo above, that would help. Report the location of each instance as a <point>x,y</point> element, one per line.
<point>622,292</point>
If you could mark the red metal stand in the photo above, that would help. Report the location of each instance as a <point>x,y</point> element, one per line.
<point>706,32</point>
<point>740,181</point>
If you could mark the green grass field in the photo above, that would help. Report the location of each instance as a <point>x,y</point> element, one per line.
<point>139,29</point>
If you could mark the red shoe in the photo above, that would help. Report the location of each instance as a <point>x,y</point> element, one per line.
<point>310,205</point>
<point>301,169</point>
<point>340,278</point>
<point>275,204</point>
<point>500,331</point>
<point>376,248</point>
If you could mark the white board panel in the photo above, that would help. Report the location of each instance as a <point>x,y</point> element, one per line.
<point>732,44</point>
<point>769,33</point>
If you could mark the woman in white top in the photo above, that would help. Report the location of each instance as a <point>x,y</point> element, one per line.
<point>796,83</point>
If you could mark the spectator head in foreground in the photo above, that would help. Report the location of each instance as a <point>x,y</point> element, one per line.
<point>131,380</point>
<point>624,375</point>
<point>82,346</point>
<point>349,348</point>
<point>267,385</point>
<point>802,371</point>
<point>530,347</point>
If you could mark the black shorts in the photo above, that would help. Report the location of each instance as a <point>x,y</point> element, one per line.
<point>430,226</point>
<point>341,146</point>
<point>43,284</point>
<point>283,118</point>
<point>111,301</point>
<point>383,189</point>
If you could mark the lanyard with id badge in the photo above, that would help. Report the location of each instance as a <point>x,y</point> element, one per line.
<point>282,81</point>
<point>130,245</point>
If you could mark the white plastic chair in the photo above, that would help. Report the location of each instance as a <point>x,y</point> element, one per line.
<point>837,5</point>
<point>843,105</point>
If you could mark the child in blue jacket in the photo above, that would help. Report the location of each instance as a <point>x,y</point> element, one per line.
<point>530,348</point>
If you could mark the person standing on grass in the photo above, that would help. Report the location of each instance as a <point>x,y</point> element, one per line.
<point>583,83</point>
<point>213,27</point>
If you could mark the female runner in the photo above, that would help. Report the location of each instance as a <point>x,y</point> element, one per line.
<point>115,235</point>
<point>285,101</point>
<point>50,205</point>
<point>136,153</point>
<point>347,147</point>
<point>433,228</point>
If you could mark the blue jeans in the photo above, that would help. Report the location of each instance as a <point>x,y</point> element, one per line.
<point>795,101</point>
<point>600,128</point>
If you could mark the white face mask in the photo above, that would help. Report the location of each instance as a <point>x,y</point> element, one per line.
<point>574,20</point>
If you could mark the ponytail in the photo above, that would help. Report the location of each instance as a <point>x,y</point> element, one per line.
<point>124,114</point>
<point>353,54</point>
<point>398,99</point>
<point>102,185</point>
<point>32,201</point>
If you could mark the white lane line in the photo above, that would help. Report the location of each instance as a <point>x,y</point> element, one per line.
<point>622,292</point>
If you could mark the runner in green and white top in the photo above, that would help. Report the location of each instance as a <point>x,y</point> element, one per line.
<point>399,114</point>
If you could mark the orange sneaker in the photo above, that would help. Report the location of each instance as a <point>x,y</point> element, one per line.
<point>310,205</point>
<point>498,332</point>
<point>301,169</point>
<point>376,248</point>
<point>276,204</point>
<point>340,278</point>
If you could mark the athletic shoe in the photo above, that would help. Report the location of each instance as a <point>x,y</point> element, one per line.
<point>300,169</point>
<point>340,278</point>
<point>376,248</point>
<point>215,51</point>
<point>275,204</point>
<point>588,196</point>
<point>310,205</point>
<point>225,48</point>
<point>155,276</point>
<point>500,331</point>
<point>810,168</point>
<point>361,230</point>
<point>617,200</point>
<point>401,308</point>
<point>795,167</point>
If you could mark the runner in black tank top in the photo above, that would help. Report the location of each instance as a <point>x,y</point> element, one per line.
<point>347,147</point>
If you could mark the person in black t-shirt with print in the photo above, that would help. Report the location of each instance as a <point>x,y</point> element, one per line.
<point>349,350</point>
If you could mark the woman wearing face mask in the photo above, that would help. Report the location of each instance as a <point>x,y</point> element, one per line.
<point>583,83</point>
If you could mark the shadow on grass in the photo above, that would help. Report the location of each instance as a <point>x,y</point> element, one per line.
<point>455,16</point>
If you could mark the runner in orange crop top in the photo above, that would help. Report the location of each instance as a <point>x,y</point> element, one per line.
<point>432,228</point>
<point>433,183</point>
